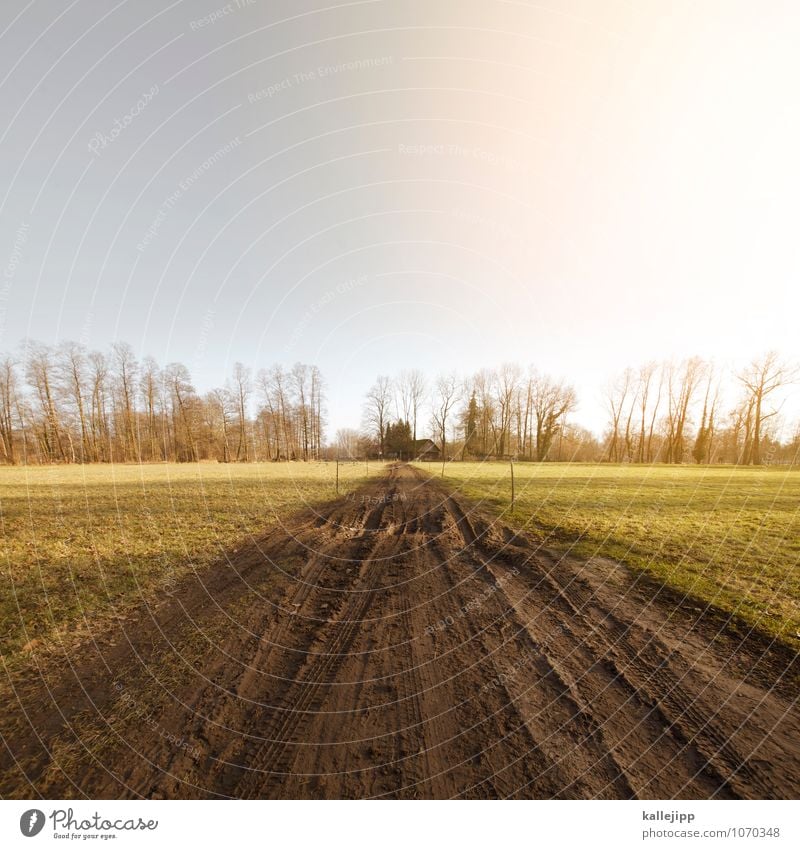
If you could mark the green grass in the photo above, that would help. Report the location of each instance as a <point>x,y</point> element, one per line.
<point>725,535</point>
<point>81,543</point>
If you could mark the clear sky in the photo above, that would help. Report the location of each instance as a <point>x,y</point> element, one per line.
<point>376,185</point>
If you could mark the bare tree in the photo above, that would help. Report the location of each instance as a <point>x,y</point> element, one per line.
<point>316,401</point>
<point>682,385</point>
<point>482,385</point>
<point>447,392</point>
<point>8,406</point>
<point>278,402</point>
<point>98,379</point>
<point>412,388</point>
<point>761,379</point>
<point>126,369</point>
<point>300,377</point>
<point>506,385</point>
<point>377,407</point>
<point>40,371</point>
<point>617,394</point>
<point>224,405</point>
<point>704,440</point>
<point>243,387</point>
<point>179,381</point>
<point>551,402</point>
<point>268,415</point>
<point>646,402</point>
<point>149,382</point>
<point>348,443</point>
<point>403,402</point>
<point>72,367</point>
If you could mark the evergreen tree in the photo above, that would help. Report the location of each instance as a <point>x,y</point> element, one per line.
<point>399,441</point>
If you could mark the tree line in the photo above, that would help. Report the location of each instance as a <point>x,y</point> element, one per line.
<point>66,404</point>
<point>674,413</point>
<point>494,413</point>
<point>661,412</point>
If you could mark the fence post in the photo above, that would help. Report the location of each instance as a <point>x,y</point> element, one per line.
<point>511,460</point>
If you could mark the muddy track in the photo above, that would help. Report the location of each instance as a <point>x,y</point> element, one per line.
<point>400,644</point>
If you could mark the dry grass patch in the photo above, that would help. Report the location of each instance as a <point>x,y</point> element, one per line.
<point>81,543</point>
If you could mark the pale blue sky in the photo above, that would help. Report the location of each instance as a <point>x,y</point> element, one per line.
<point>379,185</point>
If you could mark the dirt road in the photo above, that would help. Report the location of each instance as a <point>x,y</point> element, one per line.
<point>399,644</point>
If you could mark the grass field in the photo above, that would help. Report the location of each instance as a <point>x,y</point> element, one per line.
<point>725,535</point>
<point>82,542</point>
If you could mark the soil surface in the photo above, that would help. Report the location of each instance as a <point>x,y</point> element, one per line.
<point>401,643</point>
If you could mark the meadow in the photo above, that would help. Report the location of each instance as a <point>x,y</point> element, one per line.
<point>81,544</point>
<point>727,535</point>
